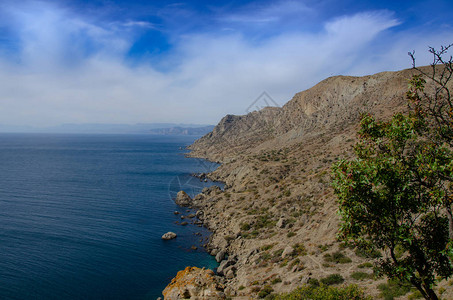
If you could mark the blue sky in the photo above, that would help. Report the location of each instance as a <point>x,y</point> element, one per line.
<point>107,61</point>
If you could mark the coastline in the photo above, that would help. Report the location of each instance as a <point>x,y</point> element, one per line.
<point>275,223</point>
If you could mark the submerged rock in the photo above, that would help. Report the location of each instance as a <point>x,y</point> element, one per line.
<point>169,236</point>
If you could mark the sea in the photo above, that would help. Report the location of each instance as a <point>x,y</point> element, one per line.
<point>81,216</point>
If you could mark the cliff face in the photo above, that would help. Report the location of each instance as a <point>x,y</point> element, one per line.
<point>333,104</point>
<point>276,219</point>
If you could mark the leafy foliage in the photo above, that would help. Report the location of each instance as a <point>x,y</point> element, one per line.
<point>332,279</point>
<point>393,288</point>
<point>396,195</point>
<point>337,257</point>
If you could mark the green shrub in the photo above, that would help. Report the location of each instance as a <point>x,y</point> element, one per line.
<point>278,253</point>
<point>267,247</point>
<point>290,234</point>
<point>332,279</point>
<point>418,295</point>
<point>365,265</point>
<point>312,292</point>
<point>267,290</point>
<point>245,226</point>
<point>313,282</point>
<point>361,275</point>
<point>337,257</point>
<point>276,280</point>
<point>394,288</point>
<point>294,262</point>
<point>367,254</point>
<point>299,249</point>
<point>254,233</point>
<point>323,247</point>
<point>265,256</point>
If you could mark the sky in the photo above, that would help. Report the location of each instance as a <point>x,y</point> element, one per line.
<point>137,61</point>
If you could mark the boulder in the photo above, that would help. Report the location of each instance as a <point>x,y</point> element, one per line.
<point>220,256</point>
<point>169,236</point>
<point>194,283</point>
<point>287,251</point>
<point>281,223</point>
<point>182,199</point>
<point>225,266</point>
<point>229,274</point>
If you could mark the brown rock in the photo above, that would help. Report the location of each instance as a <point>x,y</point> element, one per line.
<point>194,283</point>
<point>169,236</point>
<point>182,199</point>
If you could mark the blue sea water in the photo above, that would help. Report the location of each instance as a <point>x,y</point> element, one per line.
<point>81,216</point>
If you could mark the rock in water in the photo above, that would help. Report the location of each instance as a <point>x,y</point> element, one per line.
<point>194,283</point>
<point>182,199</point>
<point>169,236</point>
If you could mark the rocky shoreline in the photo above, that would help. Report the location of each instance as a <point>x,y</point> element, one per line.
<point>274,225</point>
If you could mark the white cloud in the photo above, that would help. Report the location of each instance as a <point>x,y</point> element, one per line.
<point>72,69</point>
<point>276,11</point>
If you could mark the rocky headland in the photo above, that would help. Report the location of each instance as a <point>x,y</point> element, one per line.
<point>274,225</point>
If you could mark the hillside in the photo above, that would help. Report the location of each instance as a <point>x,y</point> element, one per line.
<point>276,220</point>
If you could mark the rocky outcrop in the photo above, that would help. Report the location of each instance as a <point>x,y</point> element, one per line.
<point>169,236</point>
<point>194,283</point>
<point>183,199</point>
<point>332,104</point>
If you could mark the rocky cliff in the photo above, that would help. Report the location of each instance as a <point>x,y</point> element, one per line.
<point>274,226</point>
<point>333,104</point>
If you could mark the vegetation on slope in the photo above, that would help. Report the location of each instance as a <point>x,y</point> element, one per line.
<point>396,196</point>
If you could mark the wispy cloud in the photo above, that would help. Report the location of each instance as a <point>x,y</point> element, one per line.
<point>74,69</point>
<point>265,13</point>
<point>141,24</point>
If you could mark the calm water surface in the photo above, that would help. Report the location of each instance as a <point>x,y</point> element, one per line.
<point>81,216</point>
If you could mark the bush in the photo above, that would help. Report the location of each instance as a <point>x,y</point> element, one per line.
<point>361,275</point>
<point>267,290</point>
<point>276,280</point>
<point>351,292</point>
<point>323,248</point>
<point>394,288</point>
<point>313,282</point>
<point>290,234</point>
<point>367,254</point>
<point>365,265</point>
<point>267,247</point>
<point>332,279</point>
<point>337,257</point>
<point>245,226</point>
<point>299,249</point>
